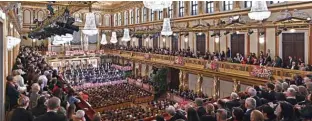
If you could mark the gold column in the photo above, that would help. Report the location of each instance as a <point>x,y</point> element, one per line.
<point>236,85</point>
<point>199,84</point>
<point>216,87</point>
<point>217,6</point>
<point>122,18</point>
<point>237,5</point>
<point>185,79</point>
<point>140,70</point>
<point>146,70</point>
<point>133,69</point>
<point>147,15</point>
<point>201,7</point>
<point>181,80</point>
<point>135,16</point>
<point>156,15</point>
<point>175,9</point>
<point>187,8</point>
<point>309,45</point>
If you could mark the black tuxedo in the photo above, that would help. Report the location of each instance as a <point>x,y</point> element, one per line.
<point>279,96</point>
<point>12,94</point>
<point>270,96</point>
<point>207,118</point>
<point>201,111</point>
<point>177,116</point>
<point>247,115</point>
<point>51,116</point>
<point>292,101</point>
<point>233,103</point>
<point>21,113</point>
<point>258,101</point>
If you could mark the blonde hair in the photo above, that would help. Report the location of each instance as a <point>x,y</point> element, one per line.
<point>210,109</point>
<point>256,115</point>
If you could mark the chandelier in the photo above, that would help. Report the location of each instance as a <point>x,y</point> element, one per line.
<point>126,36</point>
<point>90,26</point>
<point>259,11</point>
<point>114,38</point>
<point>103,41</point>
<point>166,30</point>
<point>157,5</point>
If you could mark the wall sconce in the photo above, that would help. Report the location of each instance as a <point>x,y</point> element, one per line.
<point>292,30</point>
<point>11,25</point>
<point>217,39</point>
<point>164,40</point>
<point>186,39</point>
<point>200,33</point>
<point>261,39</point>
<point>250,32</point>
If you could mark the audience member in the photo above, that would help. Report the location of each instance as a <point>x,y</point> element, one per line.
<point>20,112</point>
<point>53,105</point>
<point>256,115</point>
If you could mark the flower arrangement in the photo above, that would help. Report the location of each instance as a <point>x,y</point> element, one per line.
<point>147,56</point>
<point>179,60</point>
<point>261,72</point>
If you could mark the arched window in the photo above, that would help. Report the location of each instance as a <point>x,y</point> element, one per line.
<point>144,13</point>
<point>119,19</point>
<point>181,8</point>
<point>131,17</point>
<point>227,5</point>
<point>98,19</point>
<point>209,6</point>
<point>152,15</point>
<point>126,18</point>
<point>137,15</point>
<point>170,13</point>
<point>160,15</point>
<point>40,15</point>
<point>107,19</point>
<point>27,17</point>
<point>247,4</point>
<point>115,20</point>
<point>194,6</point>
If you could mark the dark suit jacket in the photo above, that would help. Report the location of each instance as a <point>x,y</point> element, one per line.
<point>258,101</point>
<point>12,94</point>
<point>177,116</point>
<point>292,101</point>
<point>270,96</point>
<point>207,118</point>
<point>20,114</point>
<point>247,115</point>
<point>279,96</point>
<point>201,111</point>
<point>51,116</point>
<point>233,103</point>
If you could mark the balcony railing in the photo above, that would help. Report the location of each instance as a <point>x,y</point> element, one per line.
<point>227,67</point>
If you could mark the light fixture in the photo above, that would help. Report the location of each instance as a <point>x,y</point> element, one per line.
<point>200,33</point>
<point>217,39</point>
<point>157,5</point>
<point>166,30</point>
<point>114,38</point>
<point>292,30</point>
<point>174,34</point>
<point>164,40</point>
<point>90,26</point>
<point>259,11</point>
<point>261,39</point>
<point>126,36</point>
<point>11,25</point>
<point>147,39</point>
<point>237,32</point>
<point>186,39</point>
<point>34,40</point>
<point>103,40</point>
<point>133,39</point>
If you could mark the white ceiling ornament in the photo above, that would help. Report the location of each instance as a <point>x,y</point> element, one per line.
<point>157,5</point>
<point>90,25</point>
<point>166,30</point>
<point>103,41</point>
<point>114,38</point>
<point>259,11</point>
<point>126,35</point>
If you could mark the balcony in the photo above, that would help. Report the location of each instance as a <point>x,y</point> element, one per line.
<point>226,69</point>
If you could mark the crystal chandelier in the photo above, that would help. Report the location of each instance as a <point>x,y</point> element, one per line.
<point>126,36</point>
<point>114,38</point>
<point>166,30</point>
<point>259,11</point>
<point>157,5</point>
<point>90,26</point>
<point>103,41</point>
